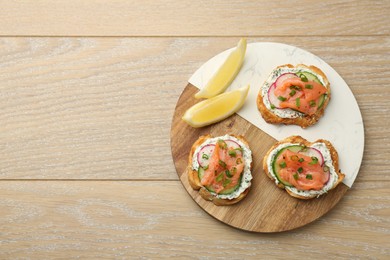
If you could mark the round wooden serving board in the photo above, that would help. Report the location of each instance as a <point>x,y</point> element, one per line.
<point>266,208</point>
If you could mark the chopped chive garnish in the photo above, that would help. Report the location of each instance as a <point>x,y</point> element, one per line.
<point>232,153</point>
<point>298,102</point>
<point>206,167</point>
<point>309,177</point>
<point>292,92</point>
<point>300,170</point>
<point>282,98</point>
<point>233,170</point>
<point>301,160</point>
<point>309,86</point>
<point>226,182</point>
<point>228,174</point>
<point>219,177</point>
<point>295,176</point>
<point>205,156</point>
<point>295,87</point>
<point>312,103</point>
<point>222,144</point>
<point>294,158</point>
<point>222,163</point>
<point>314,160</point>
<point>273,106</point>
<point>303,78</point>
<point>239,149</point>
<point>282,165</point>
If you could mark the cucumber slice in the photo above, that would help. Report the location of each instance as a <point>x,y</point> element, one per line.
<point>276,167</point>
<point>309,76</point>
<point>232,189</point>
<point>321,100</point>
<point>200,173</point>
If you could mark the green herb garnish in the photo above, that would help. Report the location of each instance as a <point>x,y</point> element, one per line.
<point>293,87</point>
<point>222,163</point>
<point>309,86</point>
<point>239,149</point>
<point>292,92</point>
<point>298,102</point>
<point>282,98</point>
<point>309,177</point>
<point>205,156</point>
<point>312,103</point>
<point>232,153</point>
<point>295,176</point>
<point>314,160</point>
<point>283,165</point>
<point>294,157</point>
<point>219,177</point>
<point>301,160</point>
<point>303,78</point>
<point>300,170</point>
<point>226,182</point>
<point>222,144</point>
<point>228,174</point>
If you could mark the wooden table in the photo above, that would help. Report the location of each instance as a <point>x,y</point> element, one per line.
<point>88,90</point>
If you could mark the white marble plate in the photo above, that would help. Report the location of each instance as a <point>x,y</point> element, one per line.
<point>342,123</point>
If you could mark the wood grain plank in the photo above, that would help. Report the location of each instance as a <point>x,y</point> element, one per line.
<point>93,108</point>
<point>188,18</point>
<point>108,219</point>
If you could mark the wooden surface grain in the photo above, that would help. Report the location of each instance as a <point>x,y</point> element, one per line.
<point>105,219</point>
<point>189,18</point>
<point>87,95</point>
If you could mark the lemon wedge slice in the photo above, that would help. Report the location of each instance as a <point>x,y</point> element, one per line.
<point>215,109</point>
<point>226,73</point>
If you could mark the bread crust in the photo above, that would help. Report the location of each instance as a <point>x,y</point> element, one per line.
<point>306,120</point>
<point>193,177</point>
<point>296,139</point>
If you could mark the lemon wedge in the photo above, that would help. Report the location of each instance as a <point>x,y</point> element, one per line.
<point>226,73</point>
<point>215,109</point>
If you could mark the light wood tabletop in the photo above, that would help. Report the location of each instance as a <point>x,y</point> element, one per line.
<point>88,91</point>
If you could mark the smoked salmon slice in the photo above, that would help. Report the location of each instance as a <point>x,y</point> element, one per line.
<point>225,167</point>
<point>299,95</point>
<point>302,171</point>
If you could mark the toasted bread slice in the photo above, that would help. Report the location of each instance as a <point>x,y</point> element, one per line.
<point>329,158</point>
<point>195,181</point>
<point>289,116</point>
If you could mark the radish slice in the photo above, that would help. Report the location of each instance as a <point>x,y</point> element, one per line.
<point>313,152</point>
<point>204,154</point>
<point>272,98</point>
<point>328,176</point>
<point>279,81</point>
<point>232,144</point>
